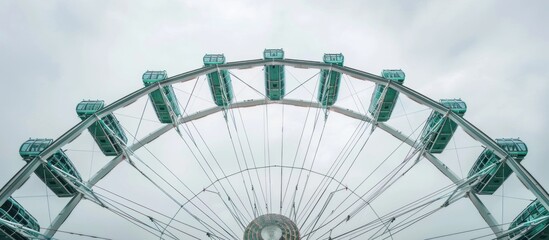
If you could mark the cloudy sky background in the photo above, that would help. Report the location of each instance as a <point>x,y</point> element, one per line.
<point>492,54</point>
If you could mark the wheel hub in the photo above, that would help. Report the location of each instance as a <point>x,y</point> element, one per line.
<point>271,227</point>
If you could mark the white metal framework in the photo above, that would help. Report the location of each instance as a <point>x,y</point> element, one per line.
<point>524,176</point>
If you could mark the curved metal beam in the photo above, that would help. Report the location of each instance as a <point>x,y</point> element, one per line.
<point>64,214</point>
<point>524,176</point>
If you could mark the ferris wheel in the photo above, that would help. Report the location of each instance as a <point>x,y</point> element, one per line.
<point>312,150</point>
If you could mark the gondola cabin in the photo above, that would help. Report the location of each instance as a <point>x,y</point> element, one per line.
<point>219,80</point>
<point>12,211</point>
<point>438,129</point>
<point>274,75</point>
<point>165,105</point>
<point>495,177</point>
<point>532,223</point>
<point>108,141</point>
<point>389,100</point>
<point>330,80</point>
<point>49,173</point>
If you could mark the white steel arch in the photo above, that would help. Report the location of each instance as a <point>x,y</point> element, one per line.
<point>524,176</point>
<point>64,214</point>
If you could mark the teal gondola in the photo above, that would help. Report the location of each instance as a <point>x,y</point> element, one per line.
<point>47,172</point>
<point>12,211</point>
<point>330,80</point>
<point>531,224</point>
<point>274,75</point>
<point>439,129</point>
<point>219,80</point>
<point>161,107</point>
<point>110,142</point>
<point>495,177</point>
<point>391,96</point>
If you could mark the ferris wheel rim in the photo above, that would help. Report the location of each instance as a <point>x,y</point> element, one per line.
<point>122,102</point>
<point>76,130</point>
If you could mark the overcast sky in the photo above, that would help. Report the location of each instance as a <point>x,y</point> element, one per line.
<point>492,54</point>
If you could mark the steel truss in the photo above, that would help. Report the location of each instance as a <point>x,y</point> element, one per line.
<point>24,173</point>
